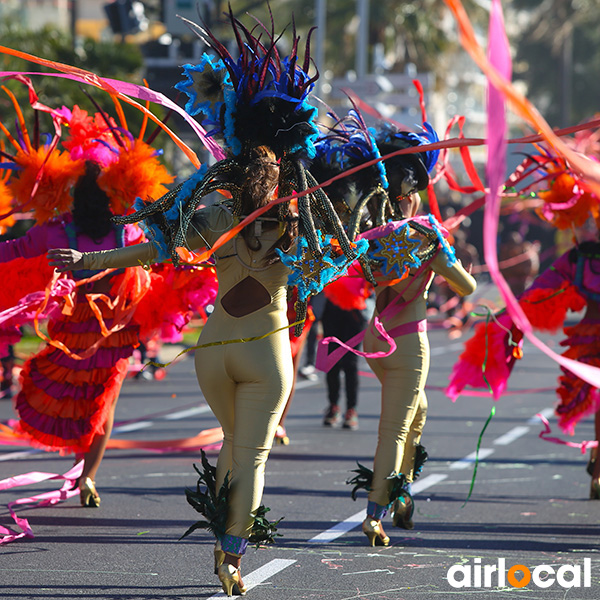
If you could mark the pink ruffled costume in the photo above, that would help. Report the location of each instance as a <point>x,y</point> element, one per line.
<point>64,402</point>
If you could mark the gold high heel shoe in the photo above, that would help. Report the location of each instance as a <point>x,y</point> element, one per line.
<point>88,494</point>
<point>219,556</point>
<point>402,512</point>
<point>595,489</point>
<point>374,531</point>
<point>231,580</point>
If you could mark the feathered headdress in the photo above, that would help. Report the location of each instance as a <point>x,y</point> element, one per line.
<point>347,144</point>
<point>567,201</point>
<point>130,166</point>
<point>39,176</point>
<point>407,173</point>
<point>260,99</point>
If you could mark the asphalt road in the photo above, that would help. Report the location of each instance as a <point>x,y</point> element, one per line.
<point>529,504</point>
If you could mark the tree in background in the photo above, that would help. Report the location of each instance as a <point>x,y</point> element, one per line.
<point>558,56</point>
<point>118,61</point>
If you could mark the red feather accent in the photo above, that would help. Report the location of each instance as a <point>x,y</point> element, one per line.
<point>546,309</point>
<point>350,291</point>
<point>487,354</point>
<point>89,136</point>
<point>24,276</point>
<point>175,295</point>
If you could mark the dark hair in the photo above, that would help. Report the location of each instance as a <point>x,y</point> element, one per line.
<point>260,180</point>
<point>590,249</point>
<point>91,205</point>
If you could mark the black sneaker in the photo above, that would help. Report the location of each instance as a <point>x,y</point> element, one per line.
<point>332,416</point>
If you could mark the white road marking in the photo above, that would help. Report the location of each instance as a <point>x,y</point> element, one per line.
<point>444,349</point>
<point>510,436</point>
<point>17,455</point>
<point>132,427</point>
<point>422,484</point>
<point>261,574</point>
<point>535,420</point>
<point>190,412</point>
<point>339,529</point>
<point>355,520</point>
<point>467,461</point>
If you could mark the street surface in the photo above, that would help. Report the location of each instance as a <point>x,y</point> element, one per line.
<point>529,504</point>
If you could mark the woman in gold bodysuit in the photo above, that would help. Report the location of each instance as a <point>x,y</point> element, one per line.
<point>246,385</point>
<point>403,375</point>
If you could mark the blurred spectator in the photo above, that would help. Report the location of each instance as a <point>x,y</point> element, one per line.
<point>519,261</point>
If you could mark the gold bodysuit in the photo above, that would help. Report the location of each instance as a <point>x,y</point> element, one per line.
<point>403,373</point>
<point>245,384</point>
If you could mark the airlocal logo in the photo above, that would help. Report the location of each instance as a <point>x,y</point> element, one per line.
<point>519,576</point>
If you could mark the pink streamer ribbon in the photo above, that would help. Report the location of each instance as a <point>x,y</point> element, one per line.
<point>544,435</point>
<point>499,57</point>
<point>44,499</point>
<point>141,93</point>
<point>324,362</point>
<point>25,309</point>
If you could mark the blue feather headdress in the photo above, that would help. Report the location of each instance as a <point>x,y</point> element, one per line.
<point>260,98</point>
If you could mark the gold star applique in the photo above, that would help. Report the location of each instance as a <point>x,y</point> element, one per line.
<point>397,251</point>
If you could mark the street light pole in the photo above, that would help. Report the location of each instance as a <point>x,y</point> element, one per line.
<point>321,23</point>
<point>73,22</point>
<point>362,38</point>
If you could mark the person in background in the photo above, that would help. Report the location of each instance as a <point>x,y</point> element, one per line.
<point>344,317</point>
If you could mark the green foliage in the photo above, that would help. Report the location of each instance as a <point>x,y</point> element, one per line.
<point>409,31</point>
<point>543,45</point>
<point>212,505</point>
<point>363,480</point>
<point>263,530</point>
<point>118,61</point>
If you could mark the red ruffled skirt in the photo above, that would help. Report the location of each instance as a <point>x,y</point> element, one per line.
<point>579,398</point>
<point>64,402</point>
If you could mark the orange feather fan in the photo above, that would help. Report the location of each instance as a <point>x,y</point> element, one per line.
<point>137,173</point>
<point>5,203</point>
<point>567,203</point>
<point>59,172</point>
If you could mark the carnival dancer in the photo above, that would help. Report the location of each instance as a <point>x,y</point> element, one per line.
<point>571,283</point>
<point>69,390</point>
<point>257,105</point>
<point>401,309</point>
<point>405,252</point>
<point>67,402</point>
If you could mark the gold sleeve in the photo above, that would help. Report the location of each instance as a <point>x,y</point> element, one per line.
<point>130,256</point>
<point>458,279</point>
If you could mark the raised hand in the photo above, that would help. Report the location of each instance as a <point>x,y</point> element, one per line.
<point>65,259</point>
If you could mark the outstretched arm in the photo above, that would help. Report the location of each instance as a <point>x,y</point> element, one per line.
<point>67,259</point>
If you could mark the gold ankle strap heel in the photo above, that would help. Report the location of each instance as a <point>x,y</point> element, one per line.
<point>231,580</point>
<point>88,495</point>
<point>374,531</point>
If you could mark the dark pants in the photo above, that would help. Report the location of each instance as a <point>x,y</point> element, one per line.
<point>344,325</point>
<point>349,365</point>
